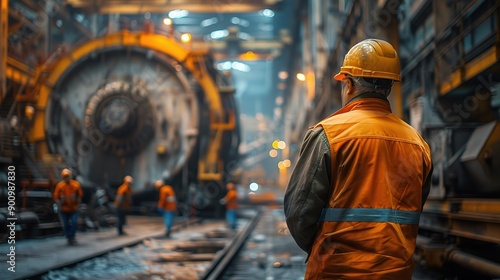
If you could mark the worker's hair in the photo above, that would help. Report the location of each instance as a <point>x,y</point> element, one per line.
<point>380,86</point>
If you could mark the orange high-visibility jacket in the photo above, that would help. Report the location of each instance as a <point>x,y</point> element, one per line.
<point>167,198</point>
<point>123,197</point>
<point>69,195</point>
<point>354,199</point>
<point>231,199</point>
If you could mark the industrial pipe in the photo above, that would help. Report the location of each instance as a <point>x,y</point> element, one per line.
<point>475,263</point>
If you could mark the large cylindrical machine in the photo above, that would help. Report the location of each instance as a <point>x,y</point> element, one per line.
<point>137,104</point>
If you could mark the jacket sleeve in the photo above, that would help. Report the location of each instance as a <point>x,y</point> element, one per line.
<point>308,189</point>
<point>426,188</point>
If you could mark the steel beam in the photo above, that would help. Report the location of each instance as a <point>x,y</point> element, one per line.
<point>161,6</point>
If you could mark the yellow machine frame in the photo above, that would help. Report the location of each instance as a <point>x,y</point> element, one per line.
<point>211,166</point>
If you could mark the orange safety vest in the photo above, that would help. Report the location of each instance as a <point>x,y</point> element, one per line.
<point>68,194</point>
<point>231,199</point>
<point>123,196</point>
<point>167,198</point>
<point>379,165</point>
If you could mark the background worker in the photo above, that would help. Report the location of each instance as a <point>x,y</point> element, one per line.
<point>354,198</point>
<point>231,202</point>
<point>68,196</point>
<point>123,201</point>
<point>166,204</point>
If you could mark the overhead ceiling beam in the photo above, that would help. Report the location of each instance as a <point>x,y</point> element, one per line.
<point>163,6</point>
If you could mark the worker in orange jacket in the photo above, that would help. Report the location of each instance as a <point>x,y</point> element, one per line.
<point>123,202</point>
<point>231,202</point>
<point>355,196</point>
<point>166,204</point>
<point>68,196</point>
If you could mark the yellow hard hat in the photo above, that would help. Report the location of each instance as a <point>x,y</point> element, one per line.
<point>128,179</point>
<point>65,173</point>
<point>371,58</point>
<point>158,184</point>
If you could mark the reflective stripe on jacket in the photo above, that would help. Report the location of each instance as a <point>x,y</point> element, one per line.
<point>69,195</point>
<point>379,168</point>
<point>167,198</point>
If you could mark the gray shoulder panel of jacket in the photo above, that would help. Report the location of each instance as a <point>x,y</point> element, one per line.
<point>309,188</point>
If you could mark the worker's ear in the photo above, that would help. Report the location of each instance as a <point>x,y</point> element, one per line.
<point>347,90</point>
<point>349,86</point>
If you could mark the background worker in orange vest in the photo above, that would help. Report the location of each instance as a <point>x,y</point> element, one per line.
<point>68,196</point>
<point>166,204</point>
<point>354,198</point>
<point>231,202</point>
<point>123,201</point>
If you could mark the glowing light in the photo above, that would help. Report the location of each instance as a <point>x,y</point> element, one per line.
<point>267,13</point>
<point>287,163</point>
<point>249,55</point>
<point>281,165</point>
<point>167,21</point>
<point>279,100</point>
<point>243,35</point>
<point>283,75</point>
<point>273,153</point>
<point>186,38</point>
<point>227,65</point>
<point>209,21</point>
<point>178,13</point>
<point>281,145</point>
<point>301,77</point>
<point>275,144</point>
<point>218,34</point>
<point>254,186</point>
<point>240,21</point>
<point>240,66</point>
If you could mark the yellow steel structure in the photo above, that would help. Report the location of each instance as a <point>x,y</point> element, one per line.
<point>470,218</point>
<point>210,165</point>
<point>19,72</point>
<point>470,70</point>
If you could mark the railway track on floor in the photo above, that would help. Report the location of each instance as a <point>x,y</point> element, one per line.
<point>198,250</point>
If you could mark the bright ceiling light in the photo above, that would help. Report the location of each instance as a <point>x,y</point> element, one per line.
<point>167,21</point>
<point>281,145</point>
<point>240,66</point>
<point>253,186</point>
<point>249,55</point>
<point>273,153</point>
<point>186,38</point>
<point>283,75</point>
<point>240,21</point>
<point>227,65</point>
<point>243,35</point>
<point>301,77</point>
<point>209,21</point>
<point>178,13</point>
<point>218,34</point>
<point>267,13</point>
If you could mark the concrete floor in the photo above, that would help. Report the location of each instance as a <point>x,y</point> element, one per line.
<point>35,256</point>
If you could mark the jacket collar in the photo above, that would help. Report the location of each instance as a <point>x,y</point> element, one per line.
<point>368,102</point>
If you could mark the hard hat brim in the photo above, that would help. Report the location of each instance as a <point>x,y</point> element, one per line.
<point>339,77</point>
